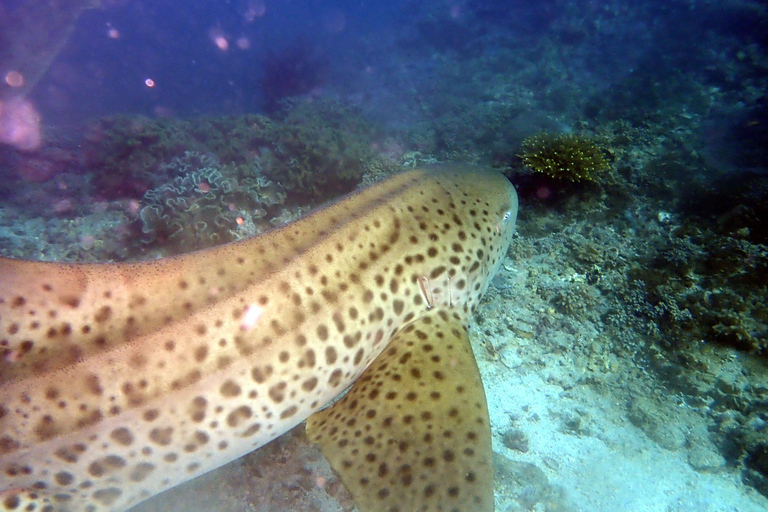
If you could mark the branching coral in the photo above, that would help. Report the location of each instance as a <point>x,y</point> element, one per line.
<point>564,157</point>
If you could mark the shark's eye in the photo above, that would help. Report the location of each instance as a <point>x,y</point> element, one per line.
<point>507,215</point>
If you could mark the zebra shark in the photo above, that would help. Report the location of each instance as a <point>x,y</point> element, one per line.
<point>121,380</point>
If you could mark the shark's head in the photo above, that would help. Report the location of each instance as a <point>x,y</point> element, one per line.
<point>485,211</point>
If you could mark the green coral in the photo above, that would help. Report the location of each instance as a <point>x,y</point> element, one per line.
<point>564,156</point>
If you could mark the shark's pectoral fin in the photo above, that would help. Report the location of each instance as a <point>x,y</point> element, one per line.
<point>413,433</point>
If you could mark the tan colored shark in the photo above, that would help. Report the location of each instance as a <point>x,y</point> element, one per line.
<point>118,381</point>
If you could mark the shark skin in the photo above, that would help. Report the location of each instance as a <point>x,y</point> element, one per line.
<point>121,380</point>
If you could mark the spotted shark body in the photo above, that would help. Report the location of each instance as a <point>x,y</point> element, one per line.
<point>118,381</point>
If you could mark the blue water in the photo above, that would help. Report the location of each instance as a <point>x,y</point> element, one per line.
<point>175,45</point>
<point>249,112</point>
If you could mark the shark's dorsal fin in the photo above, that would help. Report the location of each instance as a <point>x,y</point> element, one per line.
<point>413,433</point>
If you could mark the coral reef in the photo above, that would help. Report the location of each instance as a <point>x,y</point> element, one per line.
<point>126,153</point>
<point>564,156</point>
<point>315,150</point>
<point>697,285</point>
<point>207,203</point>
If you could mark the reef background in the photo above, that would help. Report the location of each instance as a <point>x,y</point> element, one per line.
<point>624,344</point>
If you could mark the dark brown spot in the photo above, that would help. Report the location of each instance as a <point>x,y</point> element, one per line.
<point>358,356</point>
<point>70,453</point>
<point>141,471</point>
<point>309,359</point>
<point>64,478</point>
<point>277,392</point>
<point>260,375</point>
<point>339,322</point>
<point>251,430</point>
<point>103,314</point>
<point>122,436</point>
<point>12,502</point>
<point>201,352</point>
<point>46,428</point>
<point>8,444</point>
<point>330,355</point>
<point>335,378</point>
<point>309,384</point>
<point>230,389</point>
<point>106,464</point>
<point>161,436</point>
<point>239,415</point>
<point>107,496</point>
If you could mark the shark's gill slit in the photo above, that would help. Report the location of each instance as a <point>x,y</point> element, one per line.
<point>426,291</point>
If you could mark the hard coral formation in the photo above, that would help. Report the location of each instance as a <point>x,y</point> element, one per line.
<point>563,156</point>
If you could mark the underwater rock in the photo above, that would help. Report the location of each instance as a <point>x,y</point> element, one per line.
<point>646,415</point>
<point>703,457</point>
